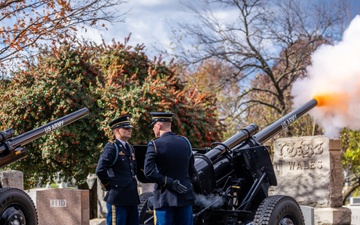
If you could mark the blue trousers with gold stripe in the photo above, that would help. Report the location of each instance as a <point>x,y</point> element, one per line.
<point>174,215</point>
<point>122,215</point>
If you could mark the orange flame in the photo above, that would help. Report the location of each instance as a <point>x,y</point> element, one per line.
<point>332,100</point>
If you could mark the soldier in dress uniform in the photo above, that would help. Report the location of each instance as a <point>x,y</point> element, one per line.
<point>116,171</point>
<point>169,162</point>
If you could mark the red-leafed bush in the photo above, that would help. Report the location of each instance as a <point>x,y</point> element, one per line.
<point>110,80</point>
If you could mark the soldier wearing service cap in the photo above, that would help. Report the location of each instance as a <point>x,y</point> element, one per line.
<point>116,170</point>
<point>169,162</point>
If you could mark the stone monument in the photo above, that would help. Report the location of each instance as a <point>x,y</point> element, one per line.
<point>12,178</point>
<point>309,170</point>
<point>354,206</point>
<point>101,204</point>
<point>63,206</point>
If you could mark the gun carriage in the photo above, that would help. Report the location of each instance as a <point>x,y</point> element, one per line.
<point>16,207</point>
<point>234,178</point>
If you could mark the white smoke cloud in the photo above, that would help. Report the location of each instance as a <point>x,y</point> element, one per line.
<point>211,200</point>
<point>334,73</point>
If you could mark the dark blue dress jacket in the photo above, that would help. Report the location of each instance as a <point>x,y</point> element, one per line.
<point>119,178</point>
<point>169,158</point>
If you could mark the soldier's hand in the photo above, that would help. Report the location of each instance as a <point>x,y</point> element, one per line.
<point>178,187</point>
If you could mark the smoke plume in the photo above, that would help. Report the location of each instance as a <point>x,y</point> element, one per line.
<point>211,201</point>
<point>334,81</point>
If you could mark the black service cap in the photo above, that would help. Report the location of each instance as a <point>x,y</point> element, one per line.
<point>121,122</point>
<point>161,117</point>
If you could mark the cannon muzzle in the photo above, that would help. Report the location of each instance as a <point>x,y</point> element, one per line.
<point>11,148</point>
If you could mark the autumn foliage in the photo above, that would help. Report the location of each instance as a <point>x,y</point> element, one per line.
<point>110,80</point>
<point>26,25</point>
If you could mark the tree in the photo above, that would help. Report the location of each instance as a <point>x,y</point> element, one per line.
<point>252,41</point>
<point>110,80</point>
<point>41,93</point>
<point>351,162</point>
<point>213,76</point>
<point>3,86</point>
<point>28,24</point>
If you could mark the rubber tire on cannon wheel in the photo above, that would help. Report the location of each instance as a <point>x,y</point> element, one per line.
<point>143,216</point>
<point>15,203</point>
<point>279,209</point>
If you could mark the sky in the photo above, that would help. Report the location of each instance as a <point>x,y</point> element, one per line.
<point>150,22</point>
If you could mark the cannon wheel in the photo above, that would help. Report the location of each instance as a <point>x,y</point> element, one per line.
<point>279,209</point>
<point>143,215</point>
<point>16,207</point>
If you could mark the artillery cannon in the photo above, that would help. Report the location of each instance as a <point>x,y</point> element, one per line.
<point>234,178</point>
<point>16,207</point>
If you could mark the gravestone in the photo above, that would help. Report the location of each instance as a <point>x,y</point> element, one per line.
<point>70,206</point>
<point>354,206</point>
<point>309,170</point>
<point>308,213</point>
<point>12,178</point>
<point>101,204</point>
<point>355,214</point>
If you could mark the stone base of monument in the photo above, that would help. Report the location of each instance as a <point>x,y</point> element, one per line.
<point>63,206</point>
<point>333,216</point>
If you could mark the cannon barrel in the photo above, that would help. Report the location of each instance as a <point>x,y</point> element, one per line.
<point>8,144</point>
<point>233,141</point>
<point>215,166</point>
<point>284,122</point>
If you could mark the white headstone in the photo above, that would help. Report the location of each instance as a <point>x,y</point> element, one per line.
<point>309,170</point>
